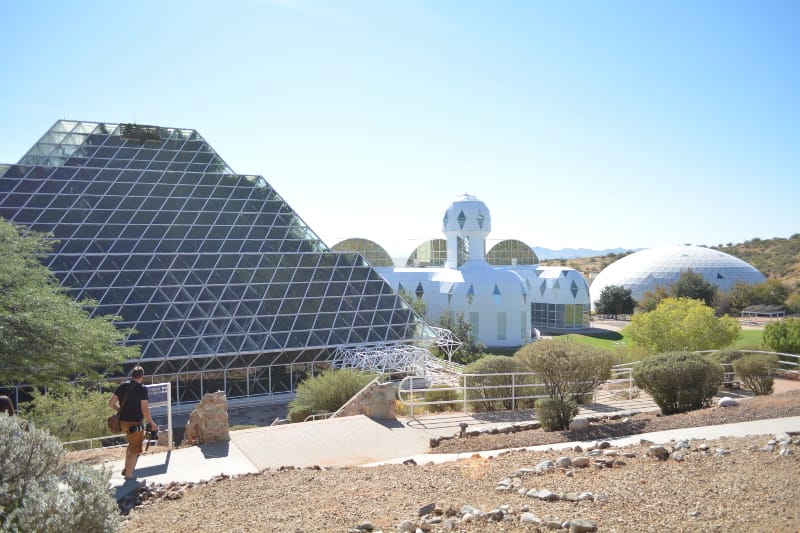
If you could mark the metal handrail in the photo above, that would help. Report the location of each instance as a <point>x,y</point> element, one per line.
<point>92,440</point>
<point>406,390</point>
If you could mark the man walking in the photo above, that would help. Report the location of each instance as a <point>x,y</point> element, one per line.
<point>131,402</point>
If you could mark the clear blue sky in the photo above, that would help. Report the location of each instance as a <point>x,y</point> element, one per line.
<point>593,124</point>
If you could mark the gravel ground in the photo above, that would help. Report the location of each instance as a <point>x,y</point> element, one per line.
<point>756,408</point>
<point>733,485</point>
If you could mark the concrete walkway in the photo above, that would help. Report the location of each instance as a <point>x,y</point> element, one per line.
<point>772,426</point>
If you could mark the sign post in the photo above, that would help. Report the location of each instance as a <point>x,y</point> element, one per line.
<point>160,395</point>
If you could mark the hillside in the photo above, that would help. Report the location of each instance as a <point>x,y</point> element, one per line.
<point>589,266</point>
<point>777,258</point>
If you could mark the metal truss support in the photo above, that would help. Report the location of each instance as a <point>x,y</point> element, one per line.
<point>383,358</point>
<point>446,341</point>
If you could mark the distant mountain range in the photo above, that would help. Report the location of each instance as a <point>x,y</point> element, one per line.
<point>571,253</point>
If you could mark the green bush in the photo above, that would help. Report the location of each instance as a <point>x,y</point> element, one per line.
<point>783,335</point>
<point>567,369</point>
<point>726,359</point>
<point>326,392</point>
<point>442,393</point>
<point>40,493</point>
<point>69,413</point>
<point>725,356</point>
<point>679,381</point>
<point>757,372</point>
<point>555,414</point>
<point>298,413</point>
<point>482,389</point>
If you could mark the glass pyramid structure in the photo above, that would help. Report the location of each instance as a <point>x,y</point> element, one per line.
<point>226,287</point>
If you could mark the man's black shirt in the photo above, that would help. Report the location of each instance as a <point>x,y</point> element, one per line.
<point>132,392</point>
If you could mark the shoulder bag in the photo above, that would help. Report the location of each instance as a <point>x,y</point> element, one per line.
<point>113,420</point>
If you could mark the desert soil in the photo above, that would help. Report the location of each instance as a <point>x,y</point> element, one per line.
<point>734,485</point>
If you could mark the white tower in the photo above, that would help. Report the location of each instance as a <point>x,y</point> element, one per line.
<point>467,218</point>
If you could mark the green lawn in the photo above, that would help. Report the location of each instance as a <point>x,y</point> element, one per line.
<point>751,338</point>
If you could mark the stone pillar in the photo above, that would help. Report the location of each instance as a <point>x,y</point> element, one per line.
<point>376,401</point>
<point>209,421</point>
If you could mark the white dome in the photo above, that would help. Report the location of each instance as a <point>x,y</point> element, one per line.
<point>467,215</point>
<point>661,267</point>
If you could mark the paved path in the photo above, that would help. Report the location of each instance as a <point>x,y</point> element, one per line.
<point>741,429</point>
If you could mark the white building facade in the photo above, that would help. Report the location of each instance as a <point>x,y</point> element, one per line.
<point>504,304</point>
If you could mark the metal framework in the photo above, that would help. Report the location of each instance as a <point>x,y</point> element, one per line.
<point>223,285</point>
<point>446,341</point>
<point>383,358</point>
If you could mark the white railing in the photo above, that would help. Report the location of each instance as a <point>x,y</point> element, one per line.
<point>786,361</point>
<point>623,374</point>
<point>318,416</point>
<point>512,387</point>
<point>98,440</point>
<point>441,365</point>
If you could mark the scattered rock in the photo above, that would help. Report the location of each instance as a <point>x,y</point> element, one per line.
<point>581,462</point>
<point>581,526</point>
<point>579,424</point>
<point>679,455</point>
<point>659,452</point>
<point>426,509</point>
<point>564,462</point>
<point>544,465</point>
<point>726,401</point>
<point>530,518</point>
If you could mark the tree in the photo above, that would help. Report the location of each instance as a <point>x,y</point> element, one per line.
<point>770,292</point>
<point>692,285</point>
<point>47,337</point>
<point>70,413</point>
<point>651,299</point>
<point>783,335</point>
<point>470,348</point>
<point>682,324</point>
<point>417,304</point>
<point>567,369</point>
<point>615,300</point>
<point>742,295</point>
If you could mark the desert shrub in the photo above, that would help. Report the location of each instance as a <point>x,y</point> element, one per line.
<point>482,389</point>
<point>326,392</point>
<point>679,381</point>
<point>783,335</point>
<point>726,359</point>
<point>757,372</point>
<point>555,414</point>
<point>725,356</point>
<point>441,393</point>
<point>40,493</point>
<point>70,412</point>
<point>566,368</point>
<point>298,413</point>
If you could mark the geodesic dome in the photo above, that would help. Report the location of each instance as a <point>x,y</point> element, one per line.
<point>645,270</point>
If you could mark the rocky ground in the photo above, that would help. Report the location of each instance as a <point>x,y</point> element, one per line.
<point>756,408</point>
<point>745,484</point>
